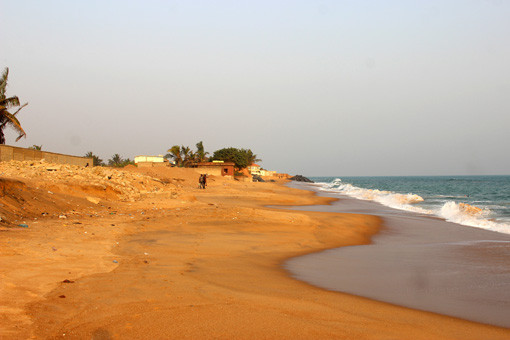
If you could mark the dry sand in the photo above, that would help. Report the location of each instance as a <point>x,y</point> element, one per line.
<point>162,259</point>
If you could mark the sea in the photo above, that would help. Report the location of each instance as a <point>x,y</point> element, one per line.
<point>475,201</point>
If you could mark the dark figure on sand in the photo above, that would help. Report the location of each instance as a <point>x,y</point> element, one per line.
<point>202,181</point>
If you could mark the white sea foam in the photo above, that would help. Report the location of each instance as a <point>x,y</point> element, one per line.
<point>471,216</point>
<point>388,198</point>
<point>452,211</point>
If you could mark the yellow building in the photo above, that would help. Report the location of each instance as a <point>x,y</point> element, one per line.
<point>254,169</point>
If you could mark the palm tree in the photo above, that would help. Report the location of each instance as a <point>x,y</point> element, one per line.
<point>200,155</point>
<point>187,155</point>
<point>174,153</point>
<point>7,118</point>
<point>127,161</point>
<point>116,161</point>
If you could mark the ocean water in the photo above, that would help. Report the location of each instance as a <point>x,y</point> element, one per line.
<point>475,201</point>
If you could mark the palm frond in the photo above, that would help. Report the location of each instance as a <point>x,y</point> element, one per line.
<point>18,110</point>
<point>3,82</point>
<point>11,120</point>
<point>10,102</point>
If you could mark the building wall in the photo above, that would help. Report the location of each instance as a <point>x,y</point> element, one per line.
<point>267,173</point>
<point>9,153</point>
<point>216,169</point>
<point>149,159</point>
<point>151,164</point>
<point>254,169</point>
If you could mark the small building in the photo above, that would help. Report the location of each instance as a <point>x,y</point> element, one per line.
<point>254,169</point>
<point>216,168</point>
<point>150,161</point>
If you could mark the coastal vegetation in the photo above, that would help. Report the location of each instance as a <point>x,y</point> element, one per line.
<point>241,157</point>
<point>183,156</point>
<point>7,118</point>
<point>118,162</point>
<point>201,153</point>
<point>175,154</point>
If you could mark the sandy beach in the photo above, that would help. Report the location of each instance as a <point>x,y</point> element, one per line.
<point>145,254</point>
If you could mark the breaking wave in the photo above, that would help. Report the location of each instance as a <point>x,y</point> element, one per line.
<point>388,198</point>
<point>457,212</point>
<point>472,216</point>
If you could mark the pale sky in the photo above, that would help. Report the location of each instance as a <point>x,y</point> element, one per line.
<point>318,88</point>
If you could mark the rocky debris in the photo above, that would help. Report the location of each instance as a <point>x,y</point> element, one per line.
<point>125,185</point>
<point>257,178</point>
<point>299,178</point>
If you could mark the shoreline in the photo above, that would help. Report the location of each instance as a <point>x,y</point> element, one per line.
<point>199,264</point>
<point>419,262</point>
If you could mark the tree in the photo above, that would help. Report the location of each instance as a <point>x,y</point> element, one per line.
<point>116,161</point>
<point>96,160</point>
<point>184,156</point>
<point>35,147</point>
<point>7,118</point>
<point>188,156</point>
<point>201,154</point>
<point>174,153</point>
<point>250,156</point>
<point>127,161</point>
<point>241,157</point>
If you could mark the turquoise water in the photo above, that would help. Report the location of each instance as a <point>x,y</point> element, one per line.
<point>476,201</point>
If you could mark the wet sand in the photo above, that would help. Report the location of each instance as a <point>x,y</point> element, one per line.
<point>418,262</point>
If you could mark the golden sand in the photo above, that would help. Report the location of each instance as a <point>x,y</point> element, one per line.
<point>183,263</point>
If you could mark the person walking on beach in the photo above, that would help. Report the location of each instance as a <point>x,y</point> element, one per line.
<point>204,181</point>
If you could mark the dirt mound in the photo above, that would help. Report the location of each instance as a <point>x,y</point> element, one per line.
<point>180,177</point>
<point>33,189</point>
<point>19,202</point>
<point>69,179</point>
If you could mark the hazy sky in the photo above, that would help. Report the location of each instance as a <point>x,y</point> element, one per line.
<point>316,88</point>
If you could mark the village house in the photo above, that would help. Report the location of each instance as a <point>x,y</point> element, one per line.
<point>216,168</point>
<point>254,169</point>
